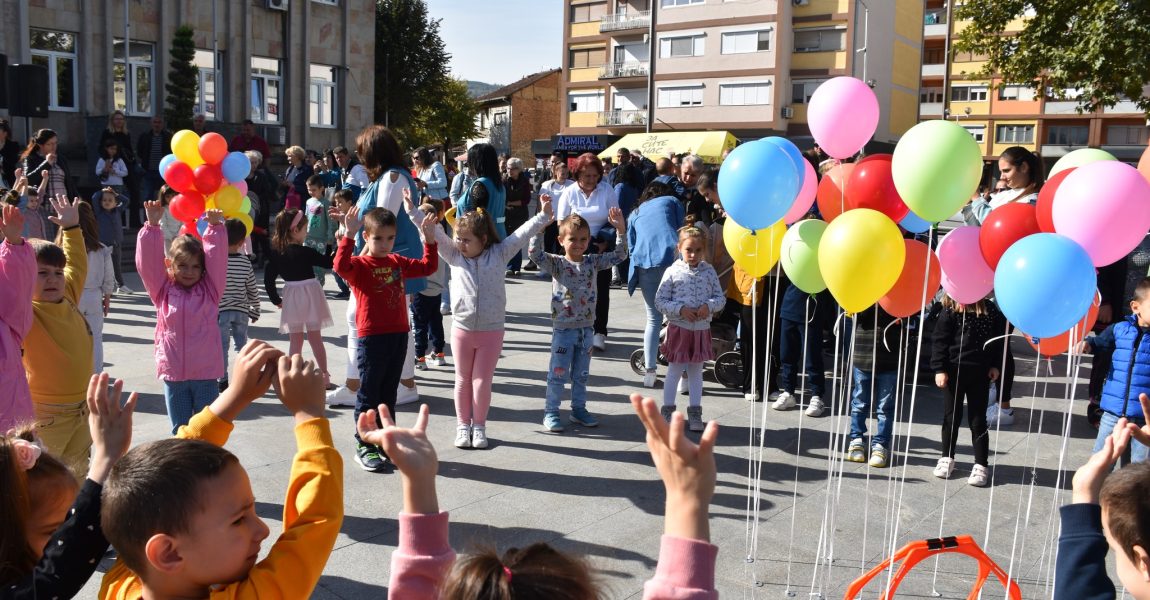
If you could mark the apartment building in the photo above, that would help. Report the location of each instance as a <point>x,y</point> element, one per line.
<point>745,67</point>
<point>1002,114</point>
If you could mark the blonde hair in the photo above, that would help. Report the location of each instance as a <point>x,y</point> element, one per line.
<point>692,231</point>
<point>978,307</point>
<point>187,248</point>
<point>296,152</point>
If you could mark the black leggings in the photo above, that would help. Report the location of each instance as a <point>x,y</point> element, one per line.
<point>973,387</point>
<point>603,300</point>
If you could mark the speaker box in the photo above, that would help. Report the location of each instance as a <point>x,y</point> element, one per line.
<point>28,91</point>
<point>3,80</point>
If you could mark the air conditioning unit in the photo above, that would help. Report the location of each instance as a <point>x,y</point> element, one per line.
<point>788,112</point>
<point>278,5</point>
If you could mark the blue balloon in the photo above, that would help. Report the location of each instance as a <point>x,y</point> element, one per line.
<point>914,223</point>
<point>792,151</point>
<point>235,167</point>
<point>202,225</point>
<point>1044,284</point>
<point>165,161</point>
<point>758,184</point>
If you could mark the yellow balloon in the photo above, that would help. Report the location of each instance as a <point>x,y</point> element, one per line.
<point>756,252</point>
<point>861,255</point>
<point>186,147</point>
<point>229,199</point>
<point>246,220</point>
<point>450,216</point>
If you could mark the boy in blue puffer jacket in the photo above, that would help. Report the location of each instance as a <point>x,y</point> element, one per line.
<point>1129,375</point>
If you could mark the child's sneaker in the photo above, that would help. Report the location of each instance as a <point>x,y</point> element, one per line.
<point>341,397</point>
<point>784,401</point>
<point>996,416</point>
<point>979,476</point>
<point>856,452</point>
<point>878,458</point>
<point>667,412</point>
<point>368,458</point>
<point>684,390</point>
<point>463,436</point>
<point>944,467</point>
<point>816,407</point>
<point>407,395</point>
<point>581,416</point>
<point>437,359</point>
<point>552,423</point>
<point>479,437</point>
<point>421,364</point>
<point>695,418</point>
<point>649,378</point>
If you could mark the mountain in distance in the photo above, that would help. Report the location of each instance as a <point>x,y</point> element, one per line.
<point>478,88</point>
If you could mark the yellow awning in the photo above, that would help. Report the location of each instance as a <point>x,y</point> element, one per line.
<point>707,144</point>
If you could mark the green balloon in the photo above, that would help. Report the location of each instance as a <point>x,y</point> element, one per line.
<point>936,169</point>
<point>800,257</point>
<point>1079,157</point>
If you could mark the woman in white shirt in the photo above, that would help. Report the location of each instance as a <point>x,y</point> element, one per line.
<point>1022,174</point>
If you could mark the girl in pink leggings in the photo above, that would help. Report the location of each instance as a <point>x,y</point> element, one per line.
<point>479,306</point>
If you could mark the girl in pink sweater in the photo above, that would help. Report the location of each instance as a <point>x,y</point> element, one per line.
<point>17,275</point>
<point>424,565</point>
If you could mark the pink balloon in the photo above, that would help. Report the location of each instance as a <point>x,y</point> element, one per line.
<point>806,197</point>
<point>242,186</point>
<point>1105,207</point>
<point>965,275</point>
<point>842,115</point>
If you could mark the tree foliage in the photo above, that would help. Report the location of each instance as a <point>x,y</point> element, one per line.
<point>448,119</point>
<point>183,81</point>
<point>410,65</point>
<point>1098,48</point>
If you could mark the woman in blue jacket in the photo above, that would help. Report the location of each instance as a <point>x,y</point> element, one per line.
<point>652,235</point>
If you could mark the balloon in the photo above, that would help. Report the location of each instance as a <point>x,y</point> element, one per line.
<point>449,216</point>
<point>180,177</point>
<point>936,168</point>
<point>245,206</point>
<point>965,275</point>
<point>1144,163</point>
<point>758,184</point>
<point>860,256</point>
<point>871,186</point>
<point>241,185</point>
<point>246,220</point>
<point>1045,283</point>
<point>1004,226</point>
<point>1053,346</point>
<point>916,285</point>
<point>914,223</point>
<point>800,255</point>
<point>189,228</point>
<point>792,151</point>
<point>165,161</point>
<point>208,178</point>
<point>842,116</point>
<point>1078,158</point>
<point>831,191</point>
<point>229,199</point>
<point>186,147</point>
<point>186,207</point>
<point>236,167</point>
<point>1105,207</point>
<point>213,148</point>
<point>806,197</point>
<point>1045,205</point>
<point>755,252</point>
<point>201,225</point>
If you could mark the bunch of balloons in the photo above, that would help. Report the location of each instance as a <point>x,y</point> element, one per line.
<point>207,177</point>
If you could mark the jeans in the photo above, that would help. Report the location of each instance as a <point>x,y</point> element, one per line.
<point>791,348</point>
<point>233,326</point>
<point>428,323</point>
<point>649,279</point>
<point>1136,453</point>
<point>380,359</point>
<point>185,399</point>
<point>516,262</point>
<point>339,282</point>
<point>570,361</point>
<point>117,262</point>
<point>883,383</point>
<point>974,386</point>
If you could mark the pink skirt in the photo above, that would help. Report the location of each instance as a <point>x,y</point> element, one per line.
<point>304,307</point>
<point>687,346</point>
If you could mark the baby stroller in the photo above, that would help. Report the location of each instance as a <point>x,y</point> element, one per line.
<point>727,368</point>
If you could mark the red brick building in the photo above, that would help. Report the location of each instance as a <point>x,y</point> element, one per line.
<point>513,115</point>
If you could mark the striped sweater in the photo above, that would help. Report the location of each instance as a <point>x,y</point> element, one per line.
<point>241,293</point>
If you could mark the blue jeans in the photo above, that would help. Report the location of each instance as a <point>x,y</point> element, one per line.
<point>380,359</point>
<point>570,361</point>
<point>428,323</point>
<point>884,383</point>
<point>343,289</point>
<point>233,326</point>
<point>516,262</point>
<point>185,399</point>
<point>791,351</point>
<point>649,284</point>
<point>1136,453</point>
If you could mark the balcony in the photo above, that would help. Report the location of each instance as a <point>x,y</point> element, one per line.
<point>934,23</point>
<point>624,21</point>
<point>929,70</point>
<point>623,69</point>
<point>930,109</point>
<point>623,118</point>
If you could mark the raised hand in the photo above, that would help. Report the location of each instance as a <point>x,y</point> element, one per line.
<point>545,205</point>
<point>109,423</point>
<point>1087,482</point>
<point>412,453</point>
<point>67,213</point>
<point>427,226</point>
<point>408,203</point>
<point>1141,433</point>
<point>615,218</point>
<point>13,224</point>
<point>351,222</point>
<point>215,216</point>
<point>253,372</point>
<point>299,384</point>
<point>155,211</point>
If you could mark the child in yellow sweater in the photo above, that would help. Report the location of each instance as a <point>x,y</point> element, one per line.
<point>58,349</point>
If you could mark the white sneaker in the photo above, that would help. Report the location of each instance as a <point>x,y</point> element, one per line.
<point>784,401</point>
<point>649,378</point>
<point>816,407</point>
<point>123,289</point>
<point>421,364</point>
<point>437,360</point>
<point>479,436</point>
<point>979,476</point>
<point>445,309</point>
<point>463,436</point>
<point>683,389</point>
<point>599,342</point>
<point>340,396</point>
<point>407,395</point>
<point>750,398</point>
<point>996,416</point>
<point>944,467</point>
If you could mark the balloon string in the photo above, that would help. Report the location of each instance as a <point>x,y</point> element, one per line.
<point>761,457</point>
<point>807,318</point>
<point>956,398</point>
<point>823,542</point>
<point>752,485</point>
<point>872,408</point>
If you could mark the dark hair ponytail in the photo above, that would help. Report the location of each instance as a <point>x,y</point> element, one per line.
<point>1017,155</point>
<point>537,572</point>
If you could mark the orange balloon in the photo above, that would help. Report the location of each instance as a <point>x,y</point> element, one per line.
<point>1060,343</point>
<point>908,295</point>
<point>830,196</point>
<point>1144,163</point>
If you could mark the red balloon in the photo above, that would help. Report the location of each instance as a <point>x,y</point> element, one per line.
<point>872,186</point>
<point>189,228</point>
<point>187,207</point>
<point>1004,226</point>
<point>213,148</point>
<point>830,195</point>
<point>180,177</point>
<point>208,178</point>
<point>1045,204</point>
<point>1061,343</point>
<point>910,293</point>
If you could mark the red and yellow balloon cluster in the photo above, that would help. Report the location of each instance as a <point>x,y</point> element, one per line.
<point>206,176</point>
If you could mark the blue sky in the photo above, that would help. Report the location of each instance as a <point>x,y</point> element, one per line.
<point>500,41</point>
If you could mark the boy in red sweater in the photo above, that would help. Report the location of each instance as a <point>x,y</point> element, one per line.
<point>376,279</point>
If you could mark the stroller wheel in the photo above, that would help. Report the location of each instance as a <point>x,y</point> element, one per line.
<point>638,362</point>
<point>729,369</point>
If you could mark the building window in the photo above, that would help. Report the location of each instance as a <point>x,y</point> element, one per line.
<point>742,42</point>
<point>585,102</point>
<point>585,13</point>
<point>673,97</point>
<point>674,3</point>
<point>132,87</point>
<point>1014,134</point>
<point>744,94</point>
<point>672,47</point>
<point>969,57</point>
<point>801,90</point>
<point>56,51</point>
<point>933,56</point>
<point>966,93</point>
<point>321,96</point>
<point>331,2</point>
<point>266,84</point>
<point>206,101</point>
<point>930,95</point>
<point>978,132</point>
<point>1067,135</point>
<point>1126,135</point>
<point>820,40</point>
<point>587,57</point>
<point>500,118</point>
<point>1021,93</point>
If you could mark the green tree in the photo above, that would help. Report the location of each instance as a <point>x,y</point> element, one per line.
<point>183,81</point>
<point>448,120</point>
<point>410,63</point>
<point>1097,47</point>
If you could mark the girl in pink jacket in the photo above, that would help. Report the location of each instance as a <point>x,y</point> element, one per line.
<point>17,274</point>
<point>185,286</point>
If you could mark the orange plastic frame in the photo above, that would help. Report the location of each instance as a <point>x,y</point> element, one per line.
<point>915,552</point>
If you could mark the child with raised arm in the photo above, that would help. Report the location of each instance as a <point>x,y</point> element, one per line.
<point>573,311</point>
<point>424,565</point>
<point>241,300</point>
<point>17,281</point>
<point>185,286</point>
<point>96,299</point>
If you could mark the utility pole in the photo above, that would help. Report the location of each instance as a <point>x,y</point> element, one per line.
<point>946,62</point>
<point>652,54</point>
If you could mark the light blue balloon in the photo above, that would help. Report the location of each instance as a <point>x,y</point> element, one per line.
<point>202,225</point>
<point>792,151</point>
<point>758,183</point>
<point>1044,284</point>
<point>235,167</point>
<point>165,161</point>
<point>914,223</point>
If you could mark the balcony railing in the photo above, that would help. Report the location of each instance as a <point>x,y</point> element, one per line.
<point>620,22</point>
<point>622,118</point>
<point>623,69</point>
